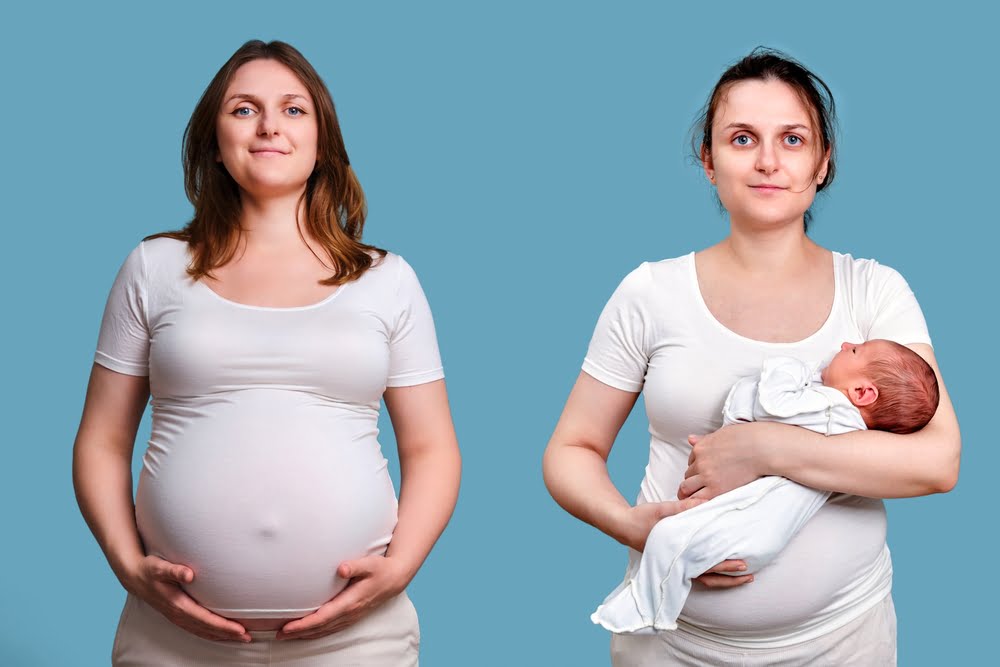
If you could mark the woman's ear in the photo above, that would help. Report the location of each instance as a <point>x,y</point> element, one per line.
<point>824,165</point>
<point>707,164</point>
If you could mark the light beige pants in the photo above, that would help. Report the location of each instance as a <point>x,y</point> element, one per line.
<point>388,637</point>
<point>867,641</point>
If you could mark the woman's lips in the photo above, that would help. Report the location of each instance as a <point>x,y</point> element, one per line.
<point>267,152</point>
<point>766,188</point>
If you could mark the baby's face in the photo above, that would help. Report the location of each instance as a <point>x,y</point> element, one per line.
<point>849,364</point>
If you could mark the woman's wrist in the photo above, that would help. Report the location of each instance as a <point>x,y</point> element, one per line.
<point>126,568</point>
<point>768,449</point>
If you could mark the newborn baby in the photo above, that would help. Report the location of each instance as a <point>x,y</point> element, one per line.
<point>877,385</point>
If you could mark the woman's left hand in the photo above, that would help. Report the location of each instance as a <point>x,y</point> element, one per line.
<point>721,461</point>
<point>373,580</point>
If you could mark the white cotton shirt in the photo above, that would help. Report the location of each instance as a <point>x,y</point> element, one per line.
<point>656,335</point>
<point>264,470</point>
<point>752,523</point>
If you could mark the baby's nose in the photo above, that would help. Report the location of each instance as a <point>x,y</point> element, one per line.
<point>845,345</point>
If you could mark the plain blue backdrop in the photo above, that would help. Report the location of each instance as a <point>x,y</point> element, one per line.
<point>523,157</point>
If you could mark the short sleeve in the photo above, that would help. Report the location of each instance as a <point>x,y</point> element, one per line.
<point>413,350</point>
<point>892,310</point>
<point>618,351</point>
<point>123,344</point>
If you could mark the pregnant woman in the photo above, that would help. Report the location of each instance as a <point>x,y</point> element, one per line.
<point>683,330</point>
<point>265,528</point>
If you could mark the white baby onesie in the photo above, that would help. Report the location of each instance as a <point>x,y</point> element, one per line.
<point>752,523</point>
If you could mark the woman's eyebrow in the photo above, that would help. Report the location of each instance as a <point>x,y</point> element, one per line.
<point>784,128</point>
<point>254,98</point>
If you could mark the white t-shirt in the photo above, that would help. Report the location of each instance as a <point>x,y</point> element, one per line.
<point>753,523</point>
<point>656,335</point>
<point>264,470</point>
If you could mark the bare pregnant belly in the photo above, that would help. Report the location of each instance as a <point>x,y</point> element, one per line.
<point>264,512</point>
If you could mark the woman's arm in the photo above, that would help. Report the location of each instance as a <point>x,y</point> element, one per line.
<point>575,464</point>
<point>875,464</point>
<point>102,478</point>
<point>576,474</point>
<point>430,470</point>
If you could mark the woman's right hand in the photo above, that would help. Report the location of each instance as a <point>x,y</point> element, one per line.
<point>639,520</point>
<point>158,583</point>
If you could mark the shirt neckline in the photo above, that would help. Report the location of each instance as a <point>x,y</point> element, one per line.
<point>248,306</point>
<point>700,300</point>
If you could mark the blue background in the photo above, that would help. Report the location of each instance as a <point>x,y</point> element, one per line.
<point>523,158</point>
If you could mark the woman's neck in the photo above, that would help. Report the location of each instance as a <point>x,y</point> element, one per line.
<point>273,222</point>
<point>781,249</point>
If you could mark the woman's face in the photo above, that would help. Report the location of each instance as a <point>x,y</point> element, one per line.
<point>765,152</point>
<point>267,130</point>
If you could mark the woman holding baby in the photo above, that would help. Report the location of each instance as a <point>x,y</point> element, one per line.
<point>684,330</point>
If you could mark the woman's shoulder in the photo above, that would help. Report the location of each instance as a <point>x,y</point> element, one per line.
<point>863,272</point>
<point>653,276</point>
<point>389,275</point>
<point>663,269</point>
<point>159,250</point>
<point>386,266</point>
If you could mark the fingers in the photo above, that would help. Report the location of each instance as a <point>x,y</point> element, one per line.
<point>670,508</point>
<point>343,602</point>
<point>210,623</point>
<point>703,494</point>
<point>689,486</point>
<point>729,566</point>
<point>692,440</point>
<point>713,579</point>
<point>167,571</point>
<point>164,594</point>
<point>723,581</point>
<point>360,568</point>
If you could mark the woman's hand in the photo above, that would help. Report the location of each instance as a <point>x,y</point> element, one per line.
<point>639,520</point>
<point>158,583</point>
<point>713,580</point>
<point>721,461</point>
<point>373,580</point>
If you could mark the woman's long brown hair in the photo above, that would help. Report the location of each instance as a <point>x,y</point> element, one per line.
<point>334,202</point>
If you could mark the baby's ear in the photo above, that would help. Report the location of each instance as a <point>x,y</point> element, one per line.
<point>864,393</point>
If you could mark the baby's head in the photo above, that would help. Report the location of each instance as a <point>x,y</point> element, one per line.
<point>895,389</point>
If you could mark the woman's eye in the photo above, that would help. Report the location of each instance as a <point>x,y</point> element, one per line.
<point>741,140</point>
<point>295,111</point>
<point>792,140</point>
<point>243,111</point>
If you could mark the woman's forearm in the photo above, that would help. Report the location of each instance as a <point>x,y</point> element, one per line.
<point>873,463</point>
<point>103,483</point>
<point>102,464</point>
<point>427,496</point>
<point>577,478</point>
<point>864,463</point>
<point>430,468</point>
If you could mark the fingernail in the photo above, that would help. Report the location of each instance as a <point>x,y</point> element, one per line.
<point>742,567</point>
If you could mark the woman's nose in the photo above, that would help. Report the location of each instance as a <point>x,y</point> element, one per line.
<point>767,159</point>
<point>266,125</point>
